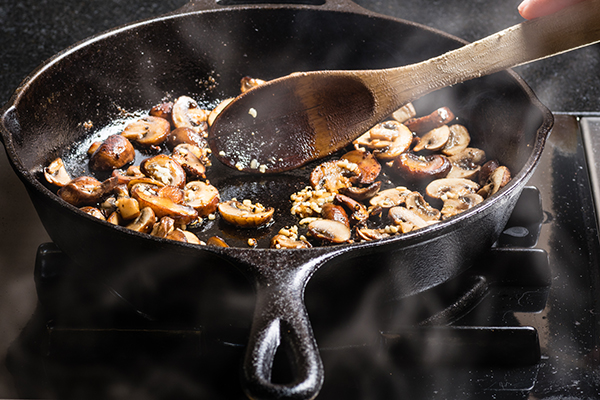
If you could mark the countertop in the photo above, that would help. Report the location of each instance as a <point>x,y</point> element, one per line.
<point>31,31</point>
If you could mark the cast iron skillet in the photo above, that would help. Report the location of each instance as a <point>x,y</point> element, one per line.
<point>134,67</point>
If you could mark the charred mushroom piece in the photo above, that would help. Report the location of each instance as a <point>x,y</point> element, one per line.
<point>248,83</point>
<point>148,131</point>
<point>454,206</point>
<point>390,197</point>
<point>361,193</point>
<point>497,180</point>
<point>86,190</point>
<point>416,203</point>
<point>434,140</point>
<point>185,156</point>
<point>368,164</point>
<point>458,141</point>
<point>56,173</point>
<point>202,197</point>
<point>148,196</point>
<point>334,175</point>
<point>404,113</point>
<point>188,114</point>
<point>245,214</point>
<point>413,167</point>
<point>446,188</point>
<point>467,163</point>
<point>144,222</point>
<point>335,212</point>
<point>94,212</point>
<point>439,117</point>
<point>217,110</point>
<point>185,135</point>
<point>164,169</point>
<point>407,219</point>
<point>115,152</point>
<point>329,231</point>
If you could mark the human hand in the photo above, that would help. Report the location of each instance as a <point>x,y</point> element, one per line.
<point>538,8</point>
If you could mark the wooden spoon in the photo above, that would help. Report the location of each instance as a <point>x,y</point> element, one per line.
<point>290,121</point>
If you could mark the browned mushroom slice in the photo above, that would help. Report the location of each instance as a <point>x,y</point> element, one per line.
<point>361,193</point>
<point>434,140</point>
<point>217,110</point>
<point>245,214</point>
<point>413,167</point>
<point>216,242</point>
<point>486,170</point>
<point>187,113</point>
<point>148,131</point>
<point>93,147</point>
<point>390,197</point>
<point>86,190</point>
<point>334,175</point>
<point>247,83</point>
<point>415,202</point>
<point>359,212</point>
<point>329,231</point>
<point>497,180</point>
<point>115,152</point>
<point>173,193</point>
<point>185,135</point>
<point>439,117</point>
<point>370,234</point>
<point>56,173</point>
<point>454,206</point>
<point>201,196</point>
<point>128,207</point>
<point>115,219</point>
<point>94,212</point>
<point>407,219</point>
<point>458,141</point>
<point>147,195</point>
<point>163,110</point>
<point>389,139</point>
<point>184,155</point>
<point>467,163</point>
<point>164,169</point>
<point>404,113</point>
<point>144,222</point>
<point>163,227</point>
<point>335,212</point>
<point>131,173</point>
<point>446,188</point>
<point>368,164</point>
<point>189,237</point>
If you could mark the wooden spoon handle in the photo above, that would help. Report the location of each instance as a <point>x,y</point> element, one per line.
<point>568,29</point>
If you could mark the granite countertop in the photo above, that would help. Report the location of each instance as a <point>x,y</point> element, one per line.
<point>31,31</point>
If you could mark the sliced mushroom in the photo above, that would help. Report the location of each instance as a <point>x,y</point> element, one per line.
<point>148,196</point>
<point>467,163</point>
<point>407,219</point>
<point>163,110</point>
<point>115,152</point>
<point>368,164</point>
<point>216,242</point>
<point>185,135</point>
<point>128,207</point>
<point>439,117</point>
<point>248,83</point>
<point>164,169</point>
<point>217,110</point>
<point>189,237</point>
<point>404,113</point>
<point>497,180</point>
<point>361,193</point>
<point>93,147</point>
<point>334,175</point>
<point>144,222</point>
<point>173,193</point>
<point>148,131</point>
<point>329,231</point>
<point>86,190</point>
<point>458,141</point>
<point>454,206</point>
<point>335,212</point>
<point>185,156</point>
<point>413,167</point>
<point>115,219</point>
<point>187,113</point>
<point>131,173</point>
<point>370,234</point>
<point>358,211</point>
<point>56,173</point>
<point>486,170</point>
<point>201,196</point>
<point>163,227</point>
<point>94,212</point>
<point>388,139</point>
<point>415,202</point>
<point>245,214</point>
<point>434,140</point>
<point>390,197</point>
<point>446,188</point>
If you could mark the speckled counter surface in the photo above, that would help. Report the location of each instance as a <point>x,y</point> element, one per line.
<point>31,31</point>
